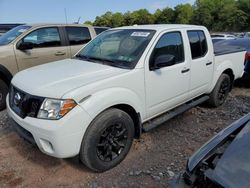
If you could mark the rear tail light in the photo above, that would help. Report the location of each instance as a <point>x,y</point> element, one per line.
<point>247,57</point>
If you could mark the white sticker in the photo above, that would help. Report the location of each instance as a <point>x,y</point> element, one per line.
<point>22,30</point>
<point>140,34</point>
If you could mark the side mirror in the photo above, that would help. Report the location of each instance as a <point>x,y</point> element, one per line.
<point>25,46</point>
<point>163,61</point>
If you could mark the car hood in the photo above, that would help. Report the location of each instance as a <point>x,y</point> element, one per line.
<point>233,168</point>
<point>200,154</point>
<point>55,79</point>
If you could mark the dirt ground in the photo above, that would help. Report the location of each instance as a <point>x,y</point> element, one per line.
<point>152,161</point>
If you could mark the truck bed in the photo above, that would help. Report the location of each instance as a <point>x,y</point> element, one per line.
<point>222,50</point>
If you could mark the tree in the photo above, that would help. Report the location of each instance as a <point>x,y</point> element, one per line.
<point>216,15</point>
<point>183,14</point>
<point>244,5</point>
<point>104,20</point>
<point>142,16</point>
<point>231,17</point>
<point>165,16</point>
<point>117,20</point>
<point>88,22</point>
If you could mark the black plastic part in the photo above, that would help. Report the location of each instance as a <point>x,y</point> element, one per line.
<point>172,113</point>
<point>23,133</point>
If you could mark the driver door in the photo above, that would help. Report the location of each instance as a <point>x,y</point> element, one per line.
<point>168,86</point>
<point>45,46</point>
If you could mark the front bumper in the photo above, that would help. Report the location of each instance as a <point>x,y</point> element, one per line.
<point>58,138</point>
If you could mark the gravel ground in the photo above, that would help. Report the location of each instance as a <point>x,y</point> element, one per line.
<point>152,161</point>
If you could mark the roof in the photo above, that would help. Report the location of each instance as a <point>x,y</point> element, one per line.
<point>55,24</point>
<point>160,27</point>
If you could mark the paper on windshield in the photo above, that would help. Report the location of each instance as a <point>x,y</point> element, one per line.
<point>140,34</point>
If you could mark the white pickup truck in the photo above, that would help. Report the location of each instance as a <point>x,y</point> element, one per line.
<point>126,81</point>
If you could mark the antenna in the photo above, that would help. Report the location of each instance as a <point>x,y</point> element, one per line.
<point>79,20</point>
<point>65,13</point>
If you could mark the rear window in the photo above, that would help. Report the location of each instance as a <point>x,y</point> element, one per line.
<point>99,30</point>
<point>78,35</point>
<point>198,44</point>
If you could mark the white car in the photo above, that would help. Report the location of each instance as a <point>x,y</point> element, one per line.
<point>219,37</point>
<point>126,81</point>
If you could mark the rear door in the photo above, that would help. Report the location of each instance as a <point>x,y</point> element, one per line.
<point>201,62</point>
<point>167,87</point>
<point>77,37</point>
<point>47,47</point>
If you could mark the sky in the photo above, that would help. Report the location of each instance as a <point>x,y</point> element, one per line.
<point>53,11</point>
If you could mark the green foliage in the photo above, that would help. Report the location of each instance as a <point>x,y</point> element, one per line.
<point>183,14</point>
<point>88,22</point>
<point>165,16</point>
<point>216,15</point>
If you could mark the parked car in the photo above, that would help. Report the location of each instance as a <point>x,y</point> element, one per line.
<point>220,37</point>
<point>124,82</point>
<point>99,30</point>
<point>247,35</point>
<point>221,162</point>
<point>31,45</point>
<point>6,27</point>
<point>223,36</point>
<point>241,43</point>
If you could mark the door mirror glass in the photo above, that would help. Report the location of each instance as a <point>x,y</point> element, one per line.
<point>164,61</point>
<point>25,46</point>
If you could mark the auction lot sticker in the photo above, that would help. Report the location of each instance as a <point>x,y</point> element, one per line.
<point>140,34</point>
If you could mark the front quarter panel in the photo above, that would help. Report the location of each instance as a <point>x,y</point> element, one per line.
<point>104,99</point>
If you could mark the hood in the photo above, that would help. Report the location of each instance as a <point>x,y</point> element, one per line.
<point>55,79</point>
<point>198,156</point>
<point>233,168</point>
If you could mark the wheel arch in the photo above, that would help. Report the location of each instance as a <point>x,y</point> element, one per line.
<point>5,75</point>
<point>136,117</point>
<point>230,73</point>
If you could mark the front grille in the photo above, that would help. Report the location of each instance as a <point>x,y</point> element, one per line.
<point>24,104</point>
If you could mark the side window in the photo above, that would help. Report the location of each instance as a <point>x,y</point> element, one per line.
<point>78,35</point>
<point>203,42</point>
<point>170,44</point>
<point>198,43</point>
<point>45,37</point>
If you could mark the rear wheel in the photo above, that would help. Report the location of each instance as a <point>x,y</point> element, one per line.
<point>220,91</point>
<point>108,140</point>
<point>3,93</point>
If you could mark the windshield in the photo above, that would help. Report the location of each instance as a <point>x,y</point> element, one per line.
<point>120,48</point>
<point>13,34</point>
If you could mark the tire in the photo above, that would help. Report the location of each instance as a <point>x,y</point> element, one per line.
<point>220,91</point>
<point>3,93</point>
<point>104,135</point>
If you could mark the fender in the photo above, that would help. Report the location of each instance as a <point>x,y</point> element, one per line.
<point>104,99</point>
<point>225,65</point>
<point>5,74</point>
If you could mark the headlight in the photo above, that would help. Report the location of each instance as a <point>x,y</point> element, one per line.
<point>55,108</point>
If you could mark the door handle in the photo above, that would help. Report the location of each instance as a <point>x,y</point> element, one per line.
<point>59,53</point>
<point>209,63</point>
<point>185,70</point>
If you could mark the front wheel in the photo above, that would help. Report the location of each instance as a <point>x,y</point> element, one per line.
<point>220,91</point>
<point>107,141</point>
